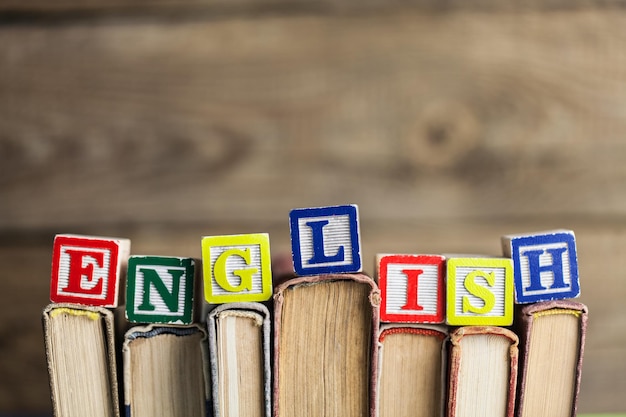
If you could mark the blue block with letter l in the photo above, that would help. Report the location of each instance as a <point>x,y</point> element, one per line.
<point>325,240</point>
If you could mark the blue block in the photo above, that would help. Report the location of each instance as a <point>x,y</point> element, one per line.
<point>545,265</point>
<point>325,240</point>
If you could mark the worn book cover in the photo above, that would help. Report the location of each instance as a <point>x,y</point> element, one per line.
<point>325,346</point>
<point>552,342</point>
<point>166,371</point>
<point>412,370</point>
<point>483,364</point>
<point>239,352</point>
<point>82,365</point>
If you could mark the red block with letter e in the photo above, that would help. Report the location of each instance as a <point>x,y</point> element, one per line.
<point>412,288</point>
<point>87,270</point>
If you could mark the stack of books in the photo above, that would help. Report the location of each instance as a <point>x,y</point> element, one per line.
<point>234,335</point>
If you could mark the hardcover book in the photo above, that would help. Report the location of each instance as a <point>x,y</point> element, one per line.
<point>239,352</point>
<point>552,341</point>
<point>483,372</point>
<point>325,346</point>
<point>80,351</point>
<point>166,371</point>
<point>412,370</point>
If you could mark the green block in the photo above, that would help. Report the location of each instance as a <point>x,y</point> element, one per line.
<point>160,289</point>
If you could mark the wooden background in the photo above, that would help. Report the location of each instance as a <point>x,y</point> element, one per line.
<point>450,123</point>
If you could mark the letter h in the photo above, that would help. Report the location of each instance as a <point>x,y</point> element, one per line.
<point>545,265</point>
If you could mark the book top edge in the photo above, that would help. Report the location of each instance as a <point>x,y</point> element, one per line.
<point>531,309</point>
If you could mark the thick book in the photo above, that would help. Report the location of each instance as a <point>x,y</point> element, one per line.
<point>239,353</point>
<point>412,370</point>
<point>166,371</point>
<point>552,341</point>
<point>325,346</point>
<point>483,364</point>
<point>80,351</point>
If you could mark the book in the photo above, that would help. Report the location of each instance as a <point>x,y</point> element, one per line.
<point>552,340</point>
<point>325,346</point>
<point>239,354</point>
<point>166,371</point>
<point>412,370</point>
<point>483,364</point>
<point>80,352</point>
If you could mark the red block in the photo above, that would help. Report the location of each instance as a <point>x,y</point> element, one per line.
<point>87,270</point>
<point>412,288</point>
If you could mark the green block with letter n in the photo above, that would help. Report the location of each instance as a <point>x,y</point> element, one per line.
<point>160,289</point>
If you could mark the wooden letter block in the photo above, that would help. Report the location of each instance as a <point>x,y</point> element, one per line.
<point>237,268</point>
<point>412,288</point>
<point>87,270</point>
<point>325,240</point>
<point>480,291</point>
<point>160,289</point>
<point>545,265</point>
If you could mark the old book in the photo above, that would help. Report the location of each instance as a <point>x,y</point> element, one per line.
<point>483,372</point>
<point>412,370</point>
<point>166,371</point>
<point>80,351</point>
<point>552,340</point>
<point>325,346</point>
<point>239,352</point>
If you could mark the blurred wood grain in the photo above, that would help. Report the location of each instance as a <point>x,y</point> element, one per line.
<point>448,125</point>
<point>450,116</point>
<point>46,10</point>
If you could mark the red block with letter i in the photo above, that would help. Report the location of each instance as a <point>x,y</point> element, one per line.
<point>87,270</point>
<point>412,288</point>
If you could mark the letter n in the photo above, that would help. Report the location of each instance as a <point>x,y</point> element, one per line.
<point>160,289</point>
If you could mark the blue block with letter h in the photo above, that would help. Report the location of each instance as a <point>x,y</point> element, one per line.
<point>325,240</point>
<point>545,265</point>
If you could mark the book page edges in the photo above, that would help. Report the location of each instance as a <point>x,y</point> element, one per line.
<point>92,313</point>
<point>435,330</point>
<point>152,330</point>
<point>455,361</point>
<point>374,301</point>
<point>525,317</point>
<point>252,311</point>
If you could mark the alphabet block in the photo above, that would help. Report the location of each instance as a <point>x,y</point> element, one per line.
<point>412,288</point>
<point>237,268</point>
<point>325,240</point>
<point>87,270</point>
<point>545,265</point>
<point>480,291</point>
<point>160,289</point>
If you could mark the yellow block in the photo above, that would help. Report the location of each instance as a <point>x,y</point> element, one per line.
<point>479,291</point>
<point>237,268</point>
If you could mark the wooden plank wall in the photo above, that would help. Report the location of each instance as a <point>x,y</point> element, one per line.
<point>449,123</point>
